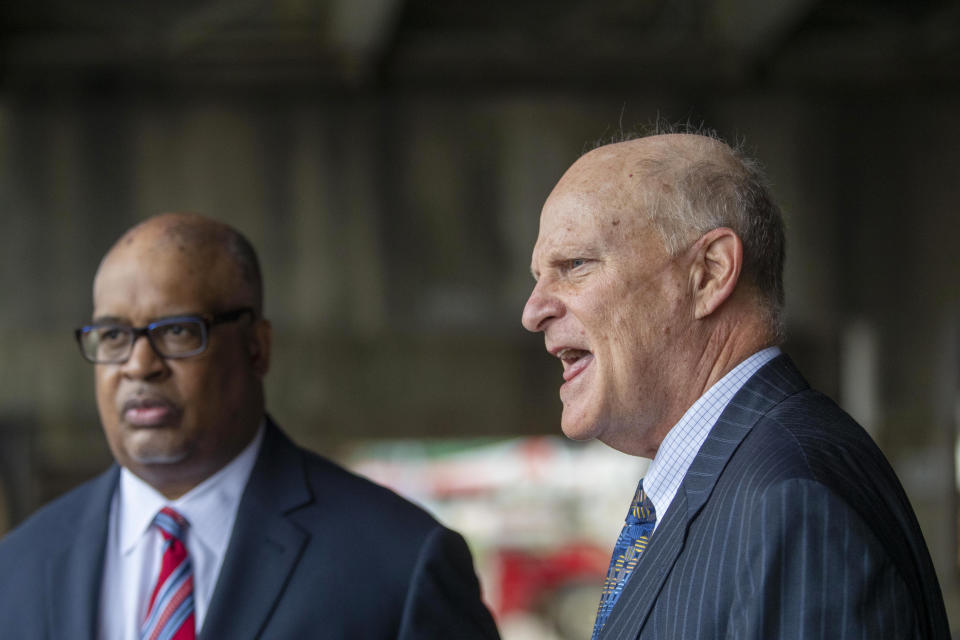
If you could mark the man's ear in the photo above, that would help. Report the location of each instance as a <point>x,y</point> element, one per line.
<point>715,270</point>
<point>260,340</point>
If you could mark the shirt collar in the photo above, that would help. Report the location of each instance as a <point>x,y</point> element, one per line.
<point>205,507</point>
<point>683,441</point>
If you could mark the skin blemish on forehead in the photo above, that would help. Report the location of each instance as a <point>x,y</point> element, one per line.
<point>615,221</point>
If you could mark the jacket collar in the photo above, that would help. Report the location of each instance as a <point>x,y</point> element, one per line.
<point>775,381</point>
<point>265,544</point>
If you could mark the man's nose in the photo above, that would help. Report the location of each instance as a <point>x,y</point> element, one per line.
<point>144,361</point>
<point>540,308</point>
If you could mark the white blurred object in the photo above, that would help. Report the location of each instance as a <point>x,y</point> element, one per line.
<point>541,515</point>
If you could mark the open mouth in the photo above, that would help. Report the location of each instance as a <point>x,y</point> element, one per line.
<point>574,361</point>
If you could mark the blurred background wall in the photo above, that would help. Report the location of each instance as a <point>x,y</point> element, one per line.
<point>389,159</point>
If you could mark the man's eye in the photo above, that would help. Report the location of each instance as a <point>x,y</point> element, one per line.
<point>108,335</point>
<point>577,262</point>
<point>176,330</point>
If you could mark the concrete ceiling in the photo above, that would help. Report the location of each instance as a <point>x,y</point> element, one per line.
<point>363,44</point>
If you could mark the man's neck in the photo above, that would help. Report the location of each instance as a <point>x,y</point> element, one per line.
<point>722,346</point>
<point>728,343</point>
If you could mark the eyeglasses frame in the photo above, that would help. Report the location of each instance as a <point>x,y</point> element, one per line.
<point>217,319</point>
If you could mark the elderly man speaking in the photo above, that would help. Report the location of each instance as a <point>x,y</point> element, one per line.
<point>213,524</point>
<point>767,512</point>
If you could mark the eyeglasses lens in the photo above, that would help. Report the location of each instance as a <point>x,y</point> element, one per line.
<point>178,337</point>
<point>107,343</point>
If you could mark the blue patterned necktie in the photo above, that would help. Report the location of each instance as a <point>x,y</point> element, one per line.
<point>630,545</point>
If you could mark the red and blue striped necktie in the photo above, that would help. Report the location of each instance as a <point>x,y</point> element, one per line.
<point>170,614</point>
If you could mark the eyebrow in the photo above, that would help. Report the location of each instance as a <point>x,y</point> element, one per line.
<point>124,321</point>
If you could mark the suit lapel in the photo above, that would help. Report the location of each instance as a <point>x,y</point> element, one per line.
<point>265,545</point>
<point>774,381</point>
<point>74,574</point>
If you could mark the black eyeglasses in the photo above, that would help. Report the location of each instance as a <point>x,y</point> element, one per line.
<point>175,337</point>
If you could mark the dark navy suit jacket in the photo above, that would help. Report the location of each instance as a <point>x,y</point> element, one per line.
<point>790,523</point>
<point>316,552</point>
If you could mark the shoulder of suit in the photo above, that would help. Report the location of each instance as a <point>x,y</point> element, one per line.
<point>807,435</point>
<point>335,487</point>
<point>811,420</point>
<point>53,522</point>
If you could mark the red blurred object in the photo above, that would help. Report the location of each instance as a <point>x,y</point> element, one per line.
<point>525,578</point>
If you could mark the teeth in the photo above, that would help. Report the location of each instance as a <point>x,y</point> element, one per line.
<point>570,353</point>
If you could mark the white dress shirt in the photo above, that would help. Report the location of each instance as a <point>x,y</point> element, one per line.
<point>134,547</point>
<point>680,447</point>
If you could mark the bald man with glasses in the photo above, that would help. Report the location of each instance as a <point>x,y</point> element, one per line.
<point>213,524</point>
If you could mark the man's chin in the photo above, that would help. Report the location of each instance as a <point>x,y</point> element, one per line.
<point>158,458</point>
<point>577,427</point>
<point>153,453</point>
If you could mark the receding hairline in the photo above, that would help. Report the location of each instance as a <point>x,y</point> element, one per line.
<point>196,237</point>
<point>607,171</point>
<point>674,149</point>
<point>684,184</point>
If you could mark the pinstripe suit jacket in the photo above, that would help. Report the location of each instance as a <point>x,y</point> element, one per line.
<point>790,523</point>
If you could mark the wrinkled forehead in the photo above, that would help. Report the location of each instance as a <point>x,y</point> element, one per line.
<point>598,186</point>
<point>577,222</point>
